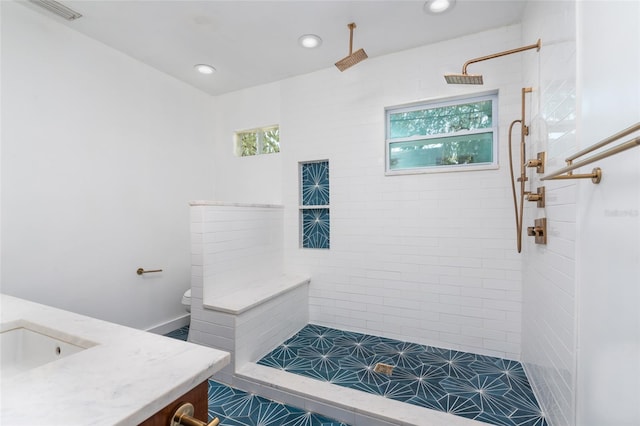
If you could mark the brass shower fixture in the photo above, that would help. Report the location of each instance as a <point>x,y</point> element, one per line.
<point>353,57</point>
<point>537,197</point>
<point>538,164</point>
<point>465,78</point>
<point>538,230</point>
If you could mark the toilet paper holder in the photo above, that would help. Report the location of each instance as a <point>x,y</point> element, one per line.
<point>141,271</point>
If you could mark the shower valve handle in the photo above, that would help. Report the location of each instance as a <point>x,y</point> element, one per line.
<point>535,231</point>
<point>537,163</point>
<point>539,231</point>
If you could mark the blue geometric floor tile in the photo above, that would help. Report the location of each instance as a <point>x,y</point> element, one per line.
<point>358,345</point>
<point>425,383</point>
<point>454,363</point>
<point>460,406</point>
<point>401,354</point>
<point>528,418</point>
<point>180,334</point>
<point>238,408</point>
<point>480,387</point>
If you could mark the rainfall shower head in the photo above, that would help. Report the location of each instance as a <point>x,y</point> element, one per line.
<point>354,57</point>
<point>465,78</point>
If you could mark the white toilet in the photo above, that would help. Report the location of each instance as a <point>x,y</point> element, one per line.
<point>186,300</point>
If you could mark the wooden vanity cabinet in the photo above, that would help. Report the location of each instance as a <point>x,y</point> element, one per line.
<point>197,396</point>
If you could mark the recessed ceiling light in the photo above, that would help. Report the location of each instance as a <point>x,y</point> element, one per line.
<point>438,6</point>
<point>310,41</point>
<point>204,68</point>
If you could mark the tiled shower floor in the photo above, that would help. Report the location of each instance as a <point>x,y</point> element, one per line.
<point>483,388</point>
<point>238,408</point>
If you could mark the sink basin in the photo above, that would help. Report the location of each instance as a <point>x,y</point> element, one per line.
<point>26,346</point>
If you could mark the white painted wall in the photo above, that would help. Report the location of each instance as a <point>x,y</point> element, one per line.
<point>428,258</point>
<point>100,157</point>
<point>255,179</point>
<point>581,327</point>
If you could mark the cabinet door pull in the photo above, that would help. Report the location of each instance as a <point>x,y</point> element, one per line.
<point>184,417</point>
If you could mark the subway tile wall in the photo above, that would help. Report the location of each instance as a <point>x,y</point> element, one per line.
<point>233,245</point>
<point>428,258</point>
<point>549,282</point>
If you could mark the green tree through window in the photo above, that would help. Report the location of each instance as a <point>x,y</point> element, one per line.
<point>258,141</point>
<point>442,135</point>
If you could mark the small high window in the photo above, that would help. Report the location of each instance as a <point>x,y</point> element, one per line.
<point>445,135</point>
<point>314,204</point>
<point>265,140</point>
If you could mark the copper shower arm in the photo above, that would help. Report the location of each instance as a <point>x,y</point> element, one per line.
<point>497,55</point>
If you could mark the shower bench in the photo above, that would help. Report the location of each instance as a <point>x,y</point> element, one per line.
<point>254,294</point>
<point>253,320</point>
<point>243,301</point>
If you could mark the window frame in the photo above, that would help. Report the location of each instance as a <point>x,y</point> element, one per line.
<point>439,103</point>
<point>260,135</point>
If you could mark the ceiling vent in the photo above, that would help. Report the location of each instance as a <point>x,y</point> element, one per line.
<point>58,8</point>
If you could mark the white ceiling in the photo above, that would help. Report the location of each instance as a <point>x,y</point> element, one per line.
<point>256,42</point>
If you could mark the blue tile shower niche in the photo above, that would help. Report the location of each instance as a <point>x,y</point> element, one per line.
<point>483,388</point>
<point>315,183</point>
<point>315,228</point>
<point>314,200</point>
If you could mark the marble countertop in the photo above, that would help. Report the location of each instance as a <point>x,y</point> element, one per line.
<point>124,378</point>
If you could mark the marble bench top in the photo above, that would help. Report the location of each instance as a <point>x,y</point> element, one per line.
<point>253,294</point>
<point>125,378</point>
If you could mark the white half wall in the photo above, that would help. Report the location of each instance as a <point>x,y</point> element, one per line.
<point>101,155</point>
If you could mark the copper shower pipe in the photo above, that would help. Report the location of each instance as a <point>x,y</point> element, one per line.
<point>465,78</point>
<point>524,131</point>
<point>536,45</point>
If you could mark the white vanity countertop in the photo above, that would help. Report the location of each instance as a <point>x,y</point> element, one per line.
<point>125,378</point>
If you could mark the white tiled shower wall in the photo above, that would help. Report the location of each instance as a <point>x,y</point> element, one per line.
<point>233,246</point>
<point>428,258</point>
<point>548,347</point>
<point>581,329</point>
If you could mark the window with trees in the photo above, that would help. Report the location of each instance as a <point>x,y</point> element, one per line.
<point>264,140</point>
<point>445,135</point>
